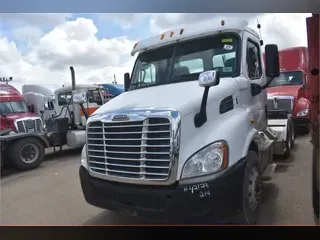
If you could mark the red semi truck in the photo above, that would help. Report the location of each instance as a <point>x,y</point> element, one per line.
<point>293,83</point>
<point>14,113</point>
<point>21,143</point>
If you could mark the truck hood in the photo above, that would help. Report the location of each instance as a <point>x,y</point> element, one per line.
<point>283,91</point>
<point>185,97</point>
<point>14,116</point>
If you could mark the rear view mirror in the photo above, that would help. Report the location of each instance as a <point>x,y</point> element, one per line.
<point>127,81</point>
<point>209,78</point>
<point>79,97</point>
<point>272,61</point>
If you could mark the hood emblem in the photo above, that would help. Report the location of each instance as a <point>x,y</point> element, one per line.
<point>121,117</point>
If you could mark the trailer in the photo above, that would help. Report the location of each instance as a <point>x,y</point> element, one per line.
<point>313,47</point>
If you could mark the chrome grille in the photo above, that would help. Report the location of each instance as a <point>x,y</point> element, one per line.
<point>29,125</point>
<point>135,149</point>
<point>283,104</point>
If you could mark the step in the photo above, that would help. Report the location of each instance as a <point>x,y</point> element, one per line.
<point>268,172</point>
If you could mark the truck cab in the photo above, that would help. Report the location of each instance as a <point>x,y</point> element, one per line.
<point>15,113</point>
<point>40,99</point>
<point>291,88</point>
<point>189,137</point>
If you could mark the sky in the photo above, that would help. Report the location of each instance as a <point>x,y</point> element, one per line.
<point>40,48</point>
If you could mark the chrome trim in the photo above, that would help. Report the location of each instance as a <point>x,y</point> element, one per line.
<point>275,97</point>
<point>142,114</point>
<point>25,119</point>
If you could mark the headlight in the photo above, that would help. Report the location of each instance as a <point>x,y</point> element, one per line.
<point>304,112</point>
<point>84,162</point>
<point>210,159</point>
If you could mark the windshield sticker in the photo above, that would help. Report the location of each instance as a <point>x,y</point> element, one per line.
<point>228,47</point>
<point>226,40</point>
<point>227,69</point>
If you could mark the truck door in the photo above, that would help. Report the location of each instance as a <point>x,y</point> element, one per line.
<point>253,70</point>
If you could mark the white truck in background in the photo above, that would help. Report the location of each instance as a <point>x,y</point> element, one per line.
<point>189,139</point>
<point>40,99</point>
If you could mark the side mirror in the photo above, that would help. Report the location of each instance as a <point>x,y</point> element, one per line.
<point>304,86</point>
<point>206,80</point>
<point>127,81</point>
<point>79,98</point>
<point>209,78</point>
<point>4,115</point>
<point>272,61</point>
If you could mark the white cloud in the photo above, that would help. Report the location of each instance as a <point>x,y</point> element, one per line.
<point>72,43</point>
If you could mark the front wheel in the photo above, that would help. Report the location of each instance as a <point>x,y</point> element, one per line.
<point>289,141</point>
<point>26,153</point>
<point>252,190</point>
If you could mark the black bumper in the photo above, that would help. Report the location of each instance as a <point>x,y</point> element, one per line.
<point>301,122</point>
<point>217,197</point>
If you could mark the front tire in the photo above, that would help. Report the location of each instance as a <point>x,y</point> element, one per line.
<point>288,142</point>
<point>27,153</point>
<point>252,190</point>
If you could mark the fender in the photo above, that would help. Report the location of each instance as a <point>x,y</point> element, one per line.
<point>8,138</point>
<point>300,104</point>
<point>250,138</point>
<point>236,130</point>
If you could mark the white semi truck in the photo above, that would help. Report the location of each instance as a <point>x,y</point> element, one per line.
<point>189,137</point>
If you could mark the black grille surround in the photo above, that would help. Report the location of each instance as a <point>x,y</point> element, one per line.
<point>138,150</point>
<point>29,125</point>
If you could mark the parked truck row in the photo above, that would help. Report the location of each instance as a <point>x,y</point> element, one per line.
<point>37,120</point>
<point>204,148</point>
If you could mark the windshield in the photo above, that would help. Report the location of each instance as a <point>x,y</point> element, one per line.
<point>13,107</point>
<point>287,79</point>
<point>185,61</point>
<point>95,97</point>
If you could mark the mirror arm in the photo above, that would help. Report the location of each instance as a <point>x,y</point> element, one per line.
<point>201,117</point>
<point>256,88</point>
<point>84,111</point>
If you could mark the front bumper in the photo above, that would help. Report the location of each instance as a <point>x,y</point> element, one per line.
<point>217,196</point>
<point>301,122</point>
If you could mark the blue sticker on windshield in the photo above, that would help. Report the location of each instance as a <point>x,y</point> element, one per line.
<point>227,69</point>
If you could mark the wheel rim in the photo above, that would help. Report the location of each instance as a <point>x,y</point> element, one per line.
<point>29,153</point>
<point>254,189</point>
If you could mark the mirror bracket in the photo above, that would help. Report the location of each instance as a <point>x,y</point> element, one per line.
<point>256,89</point>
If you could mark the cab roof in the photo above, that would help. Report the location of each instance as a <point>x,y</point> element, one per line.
<point>78,86</point>
<point>195,31</point>
<point>7,90</point>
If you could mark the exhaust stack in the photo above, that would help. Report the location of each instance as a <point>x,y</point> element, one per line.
<point>76,107</point>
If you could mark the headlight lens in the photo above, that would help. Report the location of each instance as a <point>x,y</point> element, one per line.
<point>84,162</point>
<point>208,160</point>
<point>304,112</point>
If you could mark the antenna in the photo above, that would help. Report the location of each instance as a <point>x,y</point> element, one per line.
<point>114,79</point>
<point>259,27</point>
<point>6,80</point>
